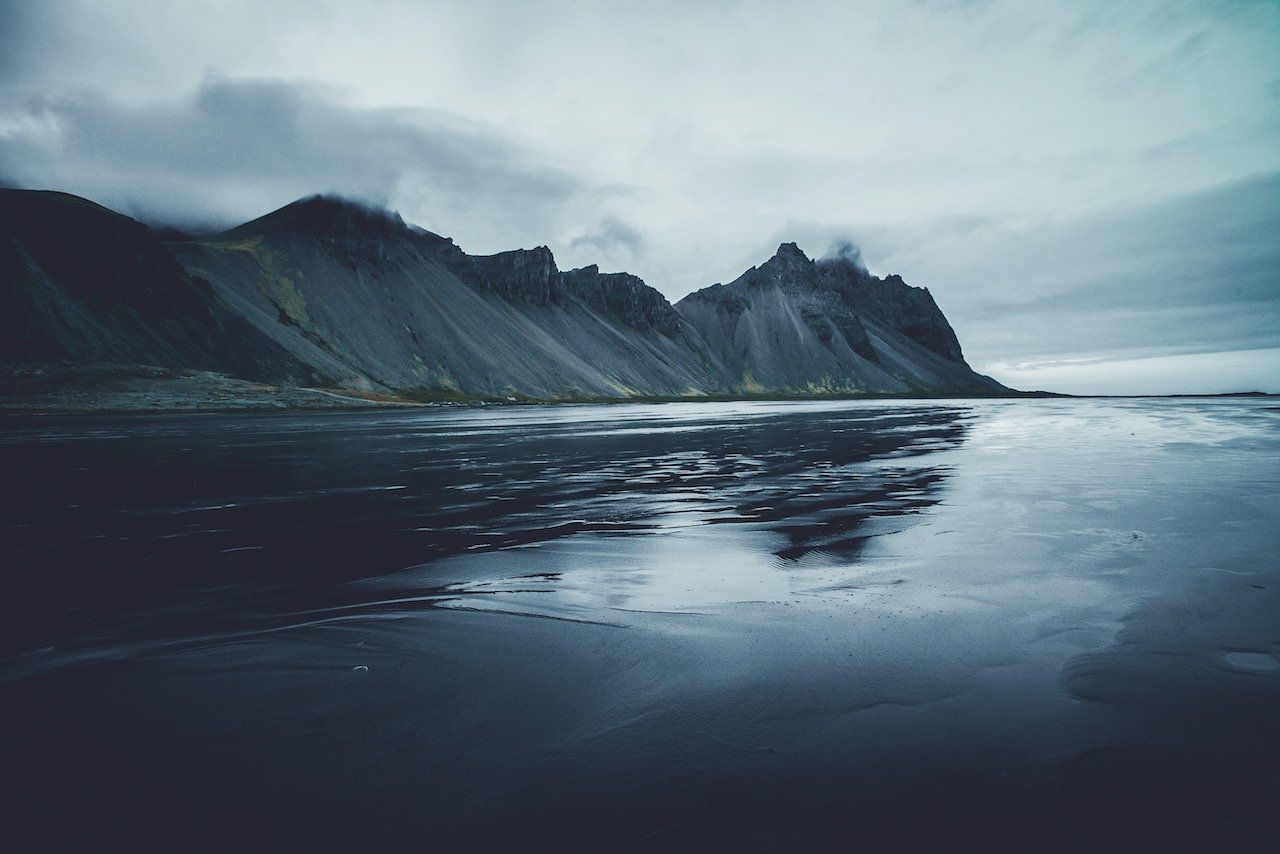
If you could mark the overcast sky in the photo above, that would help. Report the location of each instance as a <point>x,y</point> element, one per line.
<point>1091,191</point>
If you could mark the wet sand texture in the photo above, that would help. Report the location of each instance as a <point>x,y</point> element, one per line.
<point>997,624</point>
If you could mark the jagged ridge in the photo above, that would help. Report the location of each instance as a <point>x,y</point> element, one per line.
<point>340,292</point>
<point>795,325</point>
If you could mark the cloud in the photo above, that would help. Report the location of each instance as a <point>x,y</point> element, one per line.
<point>1197,270</point>
<point>1193,275</point>
<point>846,251</point>
<point>612,235</point>
<point>25,33</point>
<point>239,147</point>
<point>1064,181</point>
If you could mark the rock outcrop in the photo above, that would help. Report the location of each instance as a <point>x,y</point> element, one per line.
<point>527,275</point>
<point>623,297</point>
<point>797,326</point>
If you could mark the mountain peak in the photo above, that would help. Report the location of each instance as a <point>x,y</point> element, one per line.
<point>789,262</point>
<point>330,216</point>
<point>790,251</point>
<point>324,211</point>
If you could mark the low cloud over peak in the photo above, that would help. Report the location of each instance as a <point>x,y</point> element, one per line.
<point>844,251</point>
<point>235,148</point>
<point>612,235</point>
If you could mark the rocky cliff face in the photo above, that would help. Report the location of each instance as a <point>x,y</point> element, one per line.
<point>327,291</point>
<point>386,306</point>
<point>793,325</point>
<point>622,296</point>
<point>528,275</point>
<point>906,309</point>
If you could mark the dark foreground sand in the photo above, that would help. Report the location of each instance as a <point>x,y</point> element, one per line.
<point>1021,625</point>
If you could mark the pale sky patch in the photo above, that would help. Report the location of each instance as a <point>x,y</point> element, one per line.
<point>1066,177</point>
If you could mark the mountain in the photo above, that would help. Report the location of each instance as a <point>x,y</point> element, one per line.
<point>326,292</point>
<point>377,304</point>
<point>797,326</point>
<point>81,284</point>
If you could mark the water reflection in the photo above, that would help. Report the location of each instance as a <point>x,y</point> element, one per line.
<point>1070,624</point>
<point>194,523</point>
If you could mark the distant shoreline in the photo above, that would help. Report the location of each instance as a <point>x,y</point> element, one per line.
<point>119,389</point>
<point>69,390</point>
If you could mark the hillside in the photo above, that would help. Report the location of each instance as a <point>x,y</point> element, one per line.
<point>329,293</point>
<point>375,303</point>
<point>82,285</point>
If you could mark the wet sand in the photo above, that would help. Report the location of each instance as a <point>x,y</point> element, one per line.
<point>1009,624</point>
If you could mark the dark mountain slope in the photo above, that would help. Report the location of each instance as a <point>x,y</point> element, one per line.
<point>380,304</point>
<point>798,326</point>
<point>82,284</point>
<point>327,292</point>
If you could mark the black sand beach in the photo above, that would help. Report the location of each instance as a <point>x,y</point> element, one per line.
<point>1027,624</point>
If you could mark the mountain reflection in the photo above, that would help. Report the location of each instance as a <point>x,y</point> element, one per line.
<point>191,519</point>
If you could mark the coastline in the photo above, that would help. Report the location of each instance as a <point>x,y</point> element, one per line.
<point>119,389</point>
<point>918,623</point>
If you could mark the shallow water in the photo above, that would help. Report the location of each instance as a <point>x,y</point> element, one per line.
<point>726,625</point>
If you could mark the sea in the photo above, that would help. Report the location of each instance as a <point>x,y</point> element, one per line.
<point>1003,624</point>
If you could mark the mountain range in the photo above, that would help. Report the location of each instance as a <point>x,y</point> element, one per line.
<point>334,294</point>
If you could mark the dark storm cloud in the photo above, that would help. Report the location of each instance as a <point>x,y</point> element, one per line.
<point>1196,272</point>
<point>610,235</point>
<point>236,148</point>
